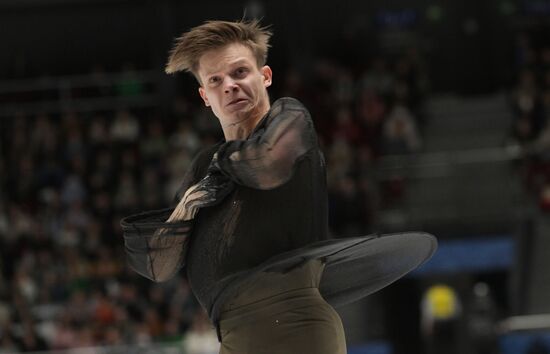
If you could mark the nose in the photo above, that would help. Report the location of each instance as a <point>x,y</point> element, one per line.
<point>230,85</point>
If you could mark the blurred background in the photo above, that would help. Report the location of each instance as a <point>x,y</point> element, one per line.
<point>432,115</point>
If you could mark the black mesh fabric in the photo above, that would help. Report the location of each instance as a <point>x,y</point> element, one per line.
<point>279,202</point>
<point>154,247</point>
<point>272,217</point>
<point>267,159</point>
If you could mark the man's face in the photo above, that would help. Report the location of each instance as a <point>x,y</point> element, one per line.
<point>233,85</point>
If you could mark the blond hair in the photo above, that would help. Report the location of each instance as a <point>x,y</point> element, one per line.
<point>191,45</point>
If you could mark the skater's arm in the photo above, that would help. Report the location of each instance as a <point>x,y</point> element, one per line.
<point>267,159</point>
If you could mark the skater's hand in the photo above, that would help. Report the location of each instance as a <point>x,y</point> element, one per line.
<point>211,190</point>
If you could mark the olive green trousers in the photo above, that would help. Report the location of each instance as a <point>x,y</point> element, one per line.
<point>282,314</point>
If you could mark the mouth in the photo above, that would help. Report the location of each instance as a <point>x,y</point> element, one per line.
<point>236,101</point>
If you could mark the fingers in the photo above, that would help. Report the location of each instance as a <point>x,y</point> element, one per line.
<point>191,190</point>
<point>208,197</point>
<point>209,191</point>
<point>188,193</point>
<point>197,195</point>
<point>201,203</point>
<point>194,199</point>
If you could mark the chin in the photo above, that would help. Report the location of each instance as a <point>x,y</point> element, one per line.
<point>243,112</point>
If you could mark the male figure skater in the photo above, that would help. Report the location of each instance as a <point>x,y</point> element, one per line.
<point>251,226</point>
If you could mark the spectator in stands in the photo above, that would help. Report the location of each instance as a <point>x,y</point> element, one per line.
<point>346,127</point>
<point>526,103</point>
<point>185,137</point>
<point>371,112</point>
<point>7,343</point>
<point>30,340</point>
<point>544,199</point>
<point>531,128</point>
<point>400,135</point>
<point>481,318</point>
<point>340,158</point>
<point>201,338</point>
<point>347,208</point>
<point>378,78</point>
<point>441,310</point>
<point>154,145</point>
<point>125,127</point>
<point>97,131</point>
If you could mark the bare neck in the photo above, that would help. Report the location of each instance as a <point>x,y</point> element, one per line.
<point>242,129</point>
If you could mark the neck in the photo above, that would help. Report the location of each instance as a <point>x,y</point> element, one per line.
<point>243,127</point>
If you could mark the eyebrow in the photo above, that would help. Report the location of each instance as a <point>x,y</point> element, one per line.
<point>237,62</point>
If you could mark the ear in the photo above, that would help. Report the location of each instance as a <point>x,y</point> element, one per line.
<point>267,74</point>
<point>202,93</point>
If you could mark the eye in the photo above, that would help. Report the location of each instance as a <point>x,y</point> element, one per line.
<point>241,72</point>
<point>214,80</point>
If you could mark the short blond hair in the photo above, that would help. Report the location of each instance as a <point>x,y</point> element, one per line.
<point>191,45</point>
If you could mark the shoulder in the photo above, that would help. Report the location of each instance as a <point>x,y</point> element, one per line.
<point>202,160</point>
<point>288,103</point>
<point>288,109</point>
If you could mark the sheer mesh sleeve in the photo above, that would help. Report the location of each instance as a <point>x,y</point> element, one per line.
<point>155,248</point>
<point>267,159</point>
<point>155,241</point>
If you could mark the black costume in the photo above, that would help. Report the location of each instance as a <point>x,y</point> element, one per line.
<point>269,214</point>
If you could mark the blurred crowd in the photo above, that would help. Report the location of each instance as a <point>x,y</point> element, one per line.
<point>530,101</point>
<point>360,115</point>
<point>67,179</point>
